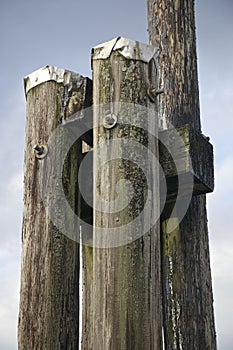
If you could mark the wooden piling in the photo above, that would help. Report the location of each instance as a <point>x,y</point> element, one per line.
<point>125,305</point>
<point>49,295</point>
<point>187,286</point>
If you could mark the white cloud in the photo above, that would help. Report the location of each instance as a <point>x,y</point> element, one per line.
<point>220,209</point>
<point>217,114</point>
<point>11,211</point>
<point>223,179</point>
<point>9,301</point>
<point>222,262</point>
<point>10,237</point>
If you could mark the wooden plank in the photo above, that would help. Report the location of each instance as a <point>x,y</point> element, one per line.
<point>191,160</point>
<point>187,155</point>
<point>49,296</point>
<point>125,309</point>
<point>187,286</point>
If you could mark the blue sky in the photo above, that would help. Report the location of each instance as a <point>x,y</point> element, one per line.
<point>62,33</point>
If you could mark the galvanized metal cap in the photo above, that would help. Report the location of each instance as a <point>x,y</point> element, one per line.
<point>48,73</point>
<point>128,48</point>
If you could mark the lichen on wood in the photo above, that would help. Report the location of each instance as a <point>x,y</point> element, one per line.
<point>49,295</point>
<point>194,155</point>
<point>125,308</point>
<point>171,27</point>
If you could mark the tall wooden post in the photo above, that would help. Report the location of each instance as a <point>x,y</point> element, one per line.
<point>187,288</point>
<point>49,296</point>
<point>125,303</point>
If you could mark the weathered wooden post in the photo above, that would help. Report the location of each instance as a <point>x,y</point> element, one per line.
<point>49,296</point>
<point>187,288</point>
<point>122,266</point>
<point>125,308</point>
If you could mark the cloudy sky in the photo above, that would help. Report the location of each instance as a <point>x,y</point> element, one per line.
<point>62,33</point>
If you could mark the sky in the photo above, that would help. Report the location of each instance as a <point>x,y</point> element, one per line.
<point>61,33</point>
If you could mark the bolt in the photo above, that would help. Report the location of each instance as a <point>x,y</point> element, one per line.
<point>39,149</point>
<point>207,138</point>
<point>153,93</point>
<point>110,121</point>
<point>160,91</point>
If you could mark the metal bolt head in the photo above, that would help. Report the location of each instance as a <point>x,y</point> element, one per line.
<point>153,93</point>
<point>40,151</point>
<point>109,121</point>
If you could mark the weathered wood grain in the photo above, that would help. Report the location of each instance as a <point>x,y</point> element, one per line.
<point>187,287</point>
<point>125,310</point>
<point>49,295</point>
<point>193,153</point>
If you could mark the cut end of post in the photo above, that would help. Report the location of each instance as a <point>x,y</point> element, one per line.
<point>128,48</point>
<point>45,74</point>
